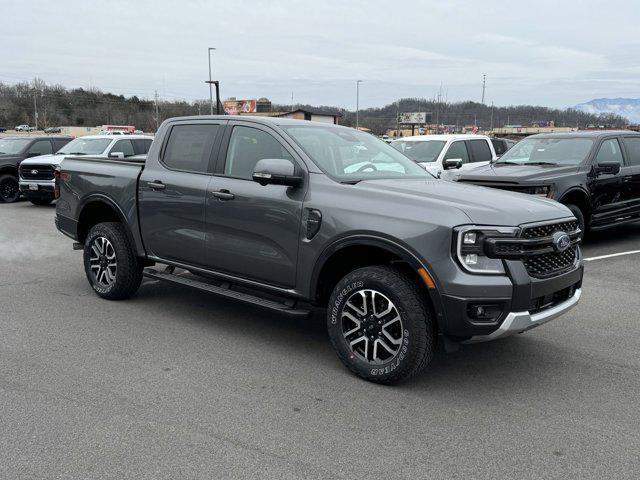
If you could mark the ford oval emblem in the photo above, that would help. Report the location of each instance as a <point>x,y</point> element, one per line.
<point>561,241</point>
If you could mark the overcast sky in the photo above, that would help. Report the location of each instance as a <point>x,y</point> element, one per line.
<point>554,53</point>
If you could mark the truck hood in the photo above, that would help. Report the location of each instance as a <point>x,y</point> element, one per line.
<point>51,159</point>
<point>9,159</point>
<point>482,205</point>
<point>516,173</point>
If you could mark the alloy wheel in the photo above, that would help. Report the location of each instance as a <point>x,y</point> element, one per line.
<point>9,189</point>
<point>372,326</point>
<point>103,262</point>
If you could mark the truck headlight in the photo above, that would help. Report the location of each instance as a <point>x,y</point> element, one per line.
<point>469,248</point>
<point>541,191</point>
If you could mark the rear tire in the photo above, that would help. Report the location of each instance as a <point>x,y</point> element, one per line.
<point>381,325</point>
<point>580,216</point>
<point>9,189</point>
<point>110,262</point>
<point>40,201</point>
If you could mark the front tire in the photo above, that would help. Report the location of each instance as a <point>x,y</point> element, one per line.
<point>110,262</point>
<point>381,325</point>
<point>9,189</point>
<point>577,212</point>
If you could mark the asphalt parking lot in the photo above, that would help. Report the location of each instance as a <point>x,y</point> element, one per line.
<point>178,384</point>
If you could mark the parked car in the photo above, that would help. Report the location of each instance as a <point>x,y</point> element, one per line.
<point>14,150</point>
<point>24,128</point>
<point>268,211</point>
<point>446,156</point>
<point>595,174</point>
<point>52,130</point>
<point>501,145</point>
<point>37,174</point>
<point>3,129</point>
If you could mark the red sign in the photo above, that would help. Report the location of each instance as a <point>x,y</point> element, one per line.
<point>235,107</point>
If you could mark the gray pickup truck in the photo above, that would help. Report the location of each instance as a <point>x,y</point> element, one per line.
<point>290,215</point>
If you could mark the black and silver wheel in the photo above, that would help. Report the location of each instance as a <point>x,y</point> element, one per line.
<point>9,189</point>
<point>380,324</point>
<point>112,267</point>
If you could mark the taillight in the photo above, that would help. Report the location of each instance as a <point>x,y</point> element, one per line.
<point>56,188</point>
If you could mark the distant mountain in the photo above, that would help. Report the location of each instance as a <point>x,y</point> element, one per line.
<point>626,107</point>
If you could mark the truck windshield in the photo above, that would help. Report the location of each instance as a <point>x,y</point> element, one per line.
<point>11,146</point>
<point>85,146</point>
<point>422,151</point>
<point>548,151</point>
<point>350,156</point>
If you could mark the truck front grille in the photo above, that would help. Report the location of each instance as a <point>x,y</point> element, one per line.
<point>550,264</point>
<point>36,172</point>
<point>535,248</point>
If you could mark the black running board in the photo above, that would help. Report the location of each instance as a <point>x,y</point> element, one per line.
<point>288,308</point>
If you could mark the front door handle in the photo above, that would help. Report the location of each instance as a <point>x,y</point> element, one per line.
<point>224,195</point>
<point>156,185</point>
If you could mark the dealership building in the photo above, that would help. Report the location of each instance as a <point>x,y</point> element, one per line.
<point>262,108</point>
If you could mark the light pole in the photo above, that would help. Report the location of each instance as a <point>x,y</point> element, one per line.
<point>358,82</point>
<point>210,82</point>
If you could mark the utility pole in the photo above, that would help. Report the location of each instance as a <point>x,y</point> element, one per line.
<point>210,82</point>
<point>397,118</point>
<point>157,114</point>
<point>491,116</point>
<point>292,101</point>
<point>35,109</point>
<point>484,86</point>
<point>358,82</point>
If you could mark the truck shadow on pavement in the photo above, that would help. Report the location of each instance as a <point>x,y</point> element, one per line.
<point>523,362</point>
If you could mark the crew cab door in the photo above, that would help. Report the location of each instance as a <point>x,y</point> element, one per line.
<point>173,192</point>
<point>608,192</point>
<point>632,180</point>
<point>252,231</point>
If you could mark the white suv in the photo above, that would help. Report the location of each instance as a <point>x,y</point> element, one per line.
<point>446,155</point>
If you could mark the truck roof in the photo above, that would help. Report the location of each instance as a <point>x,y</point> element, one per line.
<point>585,134</point>
<point>257,119</point>
<point>443,137</point>
<point>117,137</point>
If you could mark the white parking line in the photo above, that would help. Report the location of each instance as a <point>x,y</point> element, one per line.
<point>630,252</point>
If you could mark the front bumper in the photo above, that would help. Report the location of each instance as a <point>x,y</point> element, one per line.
<point>46,188</point>
<point>518,322</point>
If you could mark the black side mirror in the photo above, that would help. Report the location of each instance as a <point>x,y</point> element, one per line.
<point>276,171</point>
<point>606,168</point>
<point>451,163</point>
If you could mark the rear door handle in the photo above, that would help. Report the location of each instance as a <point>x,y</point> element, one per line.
<point>156,185</point>
<point>224,195</point>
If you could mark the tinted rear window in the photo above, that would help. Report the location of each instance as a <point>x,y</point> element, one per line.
<point>480,151</point>
<point>189,147</point>
<point>633,149</point>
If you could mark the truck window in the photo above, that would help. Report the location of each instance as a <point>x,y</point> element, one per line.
<point>480,151</point>
<point>633,149</point>
<point>41,147</point>
<point>499,145</point>
<point>141,145</point>
<point>457,150</point>
<point>609,152</point>
<point>248,145</point>
<point>189,147</point>
<point>123,146</point>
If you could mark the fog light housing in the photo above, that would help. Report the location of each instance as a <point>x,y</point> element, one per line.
<point>485,312</point>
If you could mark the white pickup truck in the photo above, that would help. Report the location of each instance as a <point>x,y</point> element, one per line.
<point>445,156</point>
<point>37,182</point>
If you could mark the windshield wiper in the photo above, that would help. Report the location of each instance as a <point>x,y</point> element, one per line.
<point>351,182</point>
<point>73,153</point>
<point>542,163</point>
<point>506,162</point>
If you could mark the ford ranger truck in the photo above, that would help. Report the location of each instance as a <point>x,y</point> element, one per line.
<point>289,215</point>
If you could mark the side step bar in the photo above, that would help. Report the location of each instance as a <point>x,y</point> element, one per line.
<point>288,308</point>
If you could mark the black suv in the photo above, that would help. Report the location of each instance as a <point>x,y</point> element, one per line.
<point>14,150</point>
<point>595,174</point>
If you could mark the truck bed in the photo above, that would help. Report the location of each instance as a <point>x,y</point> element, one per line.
<point>84,179</point>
